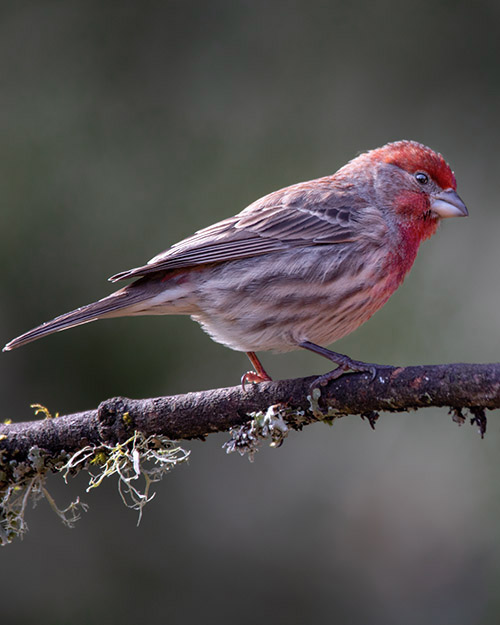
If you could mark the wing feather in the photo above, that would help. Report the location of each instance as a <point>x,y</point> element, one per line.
<point>313,213</point>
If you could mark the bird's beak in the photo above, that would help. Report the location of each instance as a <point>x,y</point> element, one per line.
<point>447,203</point>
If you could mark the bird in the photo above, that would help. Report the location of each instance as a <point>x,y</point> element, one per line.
<point>299,268</point>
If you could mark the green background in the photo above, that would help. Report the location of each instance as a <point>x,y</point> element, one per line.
<point>125,127</point>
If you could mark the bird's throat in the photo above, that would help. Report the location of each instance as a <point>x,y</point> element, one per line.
<point>411,236</point>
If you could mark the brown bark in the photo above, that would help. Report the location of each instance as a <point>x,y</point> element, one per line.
<point>194,415</point>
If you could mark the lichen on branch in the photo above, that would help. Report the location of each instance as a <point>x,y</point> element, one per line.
<point>134,439</point>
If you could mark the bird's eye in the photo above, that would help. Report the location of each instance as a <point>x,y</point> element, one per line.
<point>421,177</point>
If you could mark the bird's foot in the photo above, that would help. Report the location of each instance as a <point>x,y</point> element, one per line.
<point>254,377</point>
<point>251,377</point>
<point>344,363</point>
<point>354,365</point>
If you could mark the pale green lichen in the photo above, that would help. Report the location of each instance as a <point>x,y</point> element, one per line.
<point>313,400</point>
<point>26,484</point>
<point>327,416</point>
<point>22,483</point>
<point>140,456</point>
<point>268,426</point>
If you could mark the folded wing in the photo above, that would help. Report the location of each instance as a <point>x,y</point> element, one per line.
<point>311,213</point>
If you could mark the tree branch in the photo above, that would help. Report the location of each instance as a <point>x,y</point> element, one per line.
<point>129,438</point>
<point>194,415</point>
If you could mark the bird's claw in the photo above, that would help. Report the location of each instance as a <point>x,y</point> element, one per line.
<point>251,377</point>
<point>353,365</point>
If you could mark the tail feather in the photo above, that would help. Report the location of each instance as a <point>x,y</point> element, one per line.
<point>117,304</point>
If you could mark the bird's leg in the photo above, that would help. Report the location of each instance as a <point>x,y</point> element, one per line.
<point>259,375</point>
<point>344,364</point>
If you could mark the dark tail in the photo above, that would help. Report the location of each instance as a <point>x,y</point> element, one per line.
<point>121,303</point>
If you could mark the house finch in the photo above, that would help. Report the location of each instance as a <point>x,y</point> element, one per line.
<point>301,267</point>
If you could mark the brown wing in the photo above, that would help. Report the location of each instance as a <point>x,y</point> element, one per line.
<point>313,213</point>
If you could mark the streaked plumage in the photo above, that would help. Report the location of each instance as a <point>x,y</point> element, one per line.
<point>308,263</point>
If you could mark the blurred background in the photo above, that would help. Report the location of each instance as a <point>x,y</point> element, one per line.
<point>127,126</point>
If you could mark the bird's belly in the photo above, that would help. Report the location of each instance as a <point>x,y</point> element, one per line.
<point>275,304</point>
